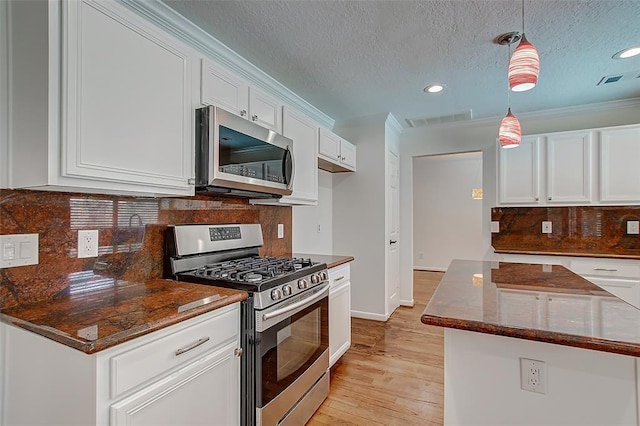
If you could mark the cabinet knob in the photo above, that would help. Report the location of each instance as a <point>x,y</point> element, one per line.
<point>343,158</point>
<point>549,198</point>
<point>254,117</point>
<point>238,352</point>
<point>537,199</point>
<point>191,181</point>
<point>243,113</point>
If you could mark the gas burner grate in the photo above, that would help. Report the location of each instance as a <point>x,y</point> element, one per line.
<point>252,269</point>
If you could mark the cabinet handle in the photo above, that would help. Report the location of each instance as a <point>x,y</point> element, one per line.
<point>549,198</point>
<point>343,158</point>
<point>243,113</point>
<point>191,181</point>
<point>605,269</point>
<point>339,278</point>
<point>537,199</point>
<point>392,242</point>
<point>238,352</point>
<point>192,346</point>
<point>254,117</point>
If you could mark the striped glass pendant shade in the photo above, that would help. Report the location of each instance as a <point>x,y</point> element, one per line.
<point>510,133</point>
<point>524,67</point>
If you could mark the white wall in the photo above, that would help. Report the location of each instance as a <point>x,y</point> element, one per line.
<point>447,222</point>
<point>306,219</point>
<point>359,215</point>
<point>480,135</point>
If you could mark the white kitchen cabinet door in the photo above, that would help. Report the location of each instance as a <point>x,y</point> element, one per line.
<point>304,134</point>
<point>329,145</point>
<point>224,89</point>
<point>206,392</point>
<point>569,167</point>
<point>519,173</point>
<point>265,110</point>
<point>126,110</point>
<point>348,154</point>
<point>335,154</point>
<point>619,170</point>
<point>561,306</point>
<point>339,312</point>
<point>519,308</point>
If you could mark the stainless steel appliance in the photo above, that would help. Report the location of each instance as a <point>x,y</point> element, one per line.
<point>238,157</point>
<point>285,333</point>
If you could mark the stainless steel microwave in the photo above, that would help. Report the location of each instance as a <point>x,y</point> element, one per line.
<point>235,156</point>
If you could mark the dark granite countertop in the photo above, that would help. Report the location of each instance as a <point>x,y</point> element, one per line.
<point>331,260</point>
<point>546,303</point>
<point>93,320</point>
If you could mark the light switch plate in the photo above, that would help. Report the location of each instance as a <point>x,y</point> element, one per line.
<point>280,230</point>
<point>18,250</point>
<point>633,227</point>
<point>546,227</point>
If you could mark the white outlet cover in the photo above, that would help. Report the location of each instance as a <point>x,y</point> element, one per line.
<point>280,230</point>
<point>547,227</point>
<point>633,227</point>
<point>495,227</point>
<point>87,243</point>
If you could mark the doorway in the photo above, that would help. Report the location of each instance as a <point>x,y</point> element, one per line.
<point>447,218</point>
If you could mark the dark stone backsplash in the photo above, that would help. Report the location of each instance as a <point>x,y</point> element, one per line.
<point>595,231</point>
<point>131,237</point>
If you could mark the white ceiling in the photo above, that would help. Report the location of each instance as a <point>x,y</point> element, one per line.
<point>358,58</point>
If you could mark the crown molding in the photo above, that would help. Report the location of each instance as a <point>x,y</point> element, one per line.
<point>540,115</point>
<point>177,25</point>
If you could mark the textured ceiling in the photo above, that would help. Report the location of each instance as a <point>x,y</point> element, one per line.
<point>358,58</point>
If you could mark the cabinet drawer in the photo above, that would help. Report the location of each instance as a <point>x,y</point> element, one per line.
<point>606,267</point>
<point>144,362</point>
<point>339,275</point>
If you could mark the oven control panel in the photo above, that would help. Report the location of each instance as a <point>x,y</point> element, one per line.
<point>226,233</point>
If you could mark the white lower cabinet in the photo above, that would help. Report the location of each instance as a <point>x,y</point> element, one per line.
<point>339,311</point>
<point>617,276</point>
<point>185,374</point>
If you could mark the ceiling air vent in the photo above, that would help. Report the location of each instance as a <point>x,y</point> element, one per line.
<point>430,121</point>
<point>615,78</point>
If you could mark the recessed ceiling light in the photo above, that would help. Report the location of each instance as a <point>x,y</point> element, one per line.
<point>627,53</point>
<point>434,88</point>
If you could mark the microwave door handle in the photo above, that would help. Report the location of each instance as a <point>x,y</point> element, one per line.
<point>288,167</point>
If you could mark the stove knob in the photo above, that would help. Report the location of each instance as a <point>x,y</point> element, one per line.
<point>315,279</point>
<point>276,294</point>
<point>324,276</point>
<point>302,284</point>
<point>286,290</point>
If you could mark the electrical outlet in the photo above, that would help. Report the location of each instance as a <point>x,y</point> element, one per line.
<point>546,227</point>
<point>87,243</point>
<point>533,375</point>
<point>633,227</point>
<point>495,227</point>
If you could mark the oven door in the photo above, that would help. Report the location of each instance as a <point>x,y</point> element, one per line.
<point>293,352</point>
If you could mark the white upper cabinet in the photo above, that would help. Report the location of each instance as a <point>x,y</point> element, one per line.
<point>121,120</point>
<point>619,165</point>
<point>335,154</point>
<point>569,167</point>
<point>519,173</point>
<point>304,134</point>
<point>230,92</point>
<point>566,168</point>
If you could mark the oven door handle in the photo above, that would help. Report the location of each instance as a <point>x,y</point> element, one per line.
<point>308,300</point>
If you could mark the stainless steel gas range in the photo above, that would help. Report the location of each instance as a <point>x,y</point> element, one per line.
<point>285,330</point>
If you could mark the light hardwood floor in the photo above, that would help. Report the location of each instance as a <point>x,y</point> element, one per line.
<point>393,374</point>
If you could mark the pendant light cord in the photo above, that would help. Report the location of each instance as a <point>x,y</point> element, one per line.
<point>508,88</point>
<point>522,16</point>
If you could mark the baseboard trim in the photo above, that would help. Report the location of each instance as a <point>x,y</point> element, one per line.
<point>408,303</point>
<point>429,268</point>
<point>369,316</point>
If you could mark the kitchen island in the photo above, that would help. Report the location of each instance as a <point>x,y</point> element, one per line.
<point>497,316</point>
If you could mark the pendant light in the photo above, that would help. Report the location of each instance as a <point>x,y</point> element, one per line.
<point>524,65</point>
<point>510,132</point>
